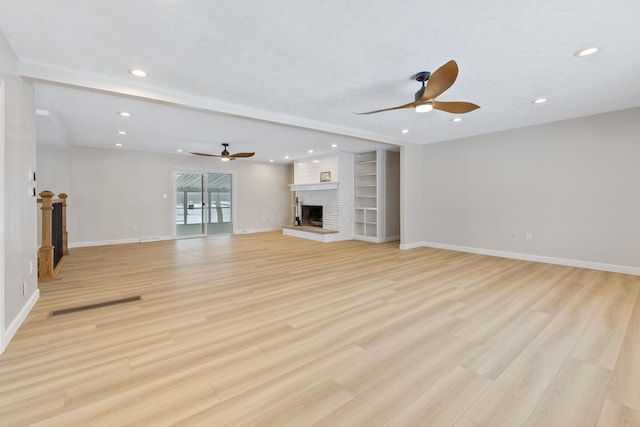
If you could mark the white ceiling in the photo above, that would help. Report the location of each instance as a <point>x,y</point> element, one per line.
<point>283,77</point>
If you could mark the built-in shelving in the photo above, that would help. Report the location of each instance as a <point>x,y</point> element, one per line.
<point>366,213</point>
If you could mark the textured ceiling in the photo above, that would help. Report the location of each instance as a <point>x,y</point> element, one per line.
<point>283,77</point>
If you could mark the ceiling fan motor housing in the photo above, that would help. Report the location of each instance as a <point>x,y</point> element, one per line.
<point>422,76</point>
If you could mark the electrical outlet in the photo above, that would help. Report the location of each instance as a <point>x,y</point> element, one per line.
<point>30,267</point>
<point>529,237</point>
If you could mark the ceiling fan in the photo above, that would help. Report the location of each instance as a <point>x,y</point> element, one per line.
<point>437,82</point>
<point>225,156</point>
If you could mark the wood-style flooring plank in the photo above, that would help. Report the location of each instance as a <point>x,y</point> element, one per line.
<point>625,387</point>
<point>574,398</point>
<point>615,414</point>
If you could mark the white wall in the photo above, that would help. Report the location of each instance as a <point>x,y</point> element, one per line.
<point>307,171</point>
<point>411,196</point>
<point>53,169</point>
<point>573,185</point>
<point>117,195</point>
<point>18,284</point>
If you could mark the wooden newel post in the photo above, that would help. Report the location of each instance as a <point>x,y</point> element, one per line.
<point>45,253</point>
<point>65,242</point>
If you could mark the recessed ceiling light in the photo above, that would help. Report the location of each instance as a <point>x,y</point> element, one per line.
<point>286,157</point>
<point>124,114</point>
<point>121,132</point>
<point>316,161</point>
<point>540,100</point>
<point>179,150</point>
<point>586,52</point>
<point>271,160</point>
<point>405,131</point>
<point>118,144</point>
<point>334,145</point>
<point>456,119</point>
<point>138,72</point>
<point>310,151</point>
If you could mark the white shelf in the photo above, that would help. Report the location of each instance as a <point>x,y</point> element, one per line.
<point>366,196</point>
<point>314,186</point>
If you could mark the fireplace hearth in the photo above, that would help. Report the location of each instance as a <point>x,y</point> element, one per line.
<point>311,215</point>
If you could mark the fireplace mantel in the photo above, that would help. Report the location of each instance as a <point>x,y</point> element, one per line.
<point>314,186</point>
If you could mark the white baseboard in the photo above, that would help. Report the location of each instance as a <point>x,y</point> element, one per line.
<point>19,320</point>
<point>146,239</point>
<point>257,230</point>
<point>624,269</point>
<point>376,239</point>
<point>119,241</point>
<point>407,246</point>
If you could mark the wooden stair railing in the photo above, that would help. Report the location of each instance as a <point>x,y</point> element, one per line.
<point>49,263</point>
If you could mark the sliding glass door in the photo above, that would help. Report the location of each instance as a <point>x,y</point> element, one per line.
<point>203,203</point>
<point>218,203</point>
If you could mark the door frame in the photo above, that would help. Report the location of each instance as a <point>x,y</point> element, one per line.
<point>174,196</point>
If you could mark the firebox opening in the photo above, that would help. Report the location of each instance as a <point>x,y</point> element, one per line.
<point>312,215</point>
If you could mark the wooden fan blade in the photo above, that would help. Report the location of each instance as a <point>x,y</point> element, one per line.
<point>440,80</point>
<point>455,107</point>
<point>204,154</point>
<point>241,155</point>
<point>410,105</point>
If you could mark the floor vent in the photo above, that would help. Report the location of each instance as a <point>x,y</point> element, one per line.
<point>92,306</point>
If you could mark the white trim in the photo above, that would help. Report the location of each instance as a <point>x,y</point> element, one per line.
<point>253,230</point>
<point>158,238</point>
<point>407,246</point>
<point>371,239</point>
<point>19,320</point>
<point>314,186</point>
<point>624,269</point>
<point>119,241</point>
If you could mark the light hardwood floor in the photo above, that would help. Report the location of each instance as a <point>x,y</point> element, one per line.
<point>266,330</point>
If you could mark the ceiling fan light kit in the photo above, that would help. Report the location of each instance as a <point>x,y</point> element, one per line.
<point>424,108</point>
<point>437,82</point>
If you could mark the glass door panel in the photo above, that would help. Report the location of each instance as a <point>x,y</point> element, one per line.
<point>219,203</point>
<point>190,212</point>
